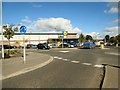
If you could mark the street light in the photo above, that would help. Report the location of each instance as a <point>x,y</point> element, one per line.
<point>2,44</point>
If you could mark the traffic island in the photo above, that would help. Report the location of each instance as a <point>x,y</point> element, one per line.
<point>14,66</point>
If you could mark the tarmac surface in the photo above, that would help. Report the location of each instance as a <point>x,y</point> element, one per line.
<point>15,66</point>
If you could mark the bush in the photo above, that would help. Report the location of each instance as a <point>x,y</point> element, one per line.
<point>6,55</point>
<point>11,53</point>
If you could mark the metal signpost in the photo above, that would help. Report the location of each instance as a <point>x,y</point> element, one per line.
<point>23,30</point>
<point>64,35</point>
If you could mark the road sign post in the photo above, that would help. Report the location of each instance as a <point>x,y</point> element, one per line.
<point>23,31</point>
<point>64,35</point>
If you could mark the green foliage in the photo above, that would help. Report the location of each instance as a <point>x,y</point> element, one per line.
<point>8,33</point>
<point>81,38</point>
<point>50,41</point>
<point>107,37</point>
<point>115,40</point>
<point>14,51</point>
<point>88,37</point>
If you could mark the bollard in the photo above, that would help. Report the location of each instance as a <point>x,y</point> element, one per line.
<point>102,46</point>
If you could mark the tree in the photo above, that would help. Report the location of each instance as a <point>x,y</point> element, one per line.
<point>107,37</point>
<point>8,33</point>
<point>49,41</point>
<point>81,38</point>
<point>112,40</point>
<point>117,39</point>
<point>88,37</point>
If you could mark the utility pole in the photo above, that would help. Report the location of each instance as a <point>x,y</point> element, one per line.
<point>2,34</point>
<point>62,41</point>
<point>2,45</point>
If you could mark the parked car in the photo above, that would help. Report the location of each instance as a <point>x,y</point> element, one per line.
<point>65,45</point>
<point>87,45</point>
<point>54,45</point>
<point>7,47</point>
<point>43,46</point>
<point>31,46</point>
<point>71,46</point>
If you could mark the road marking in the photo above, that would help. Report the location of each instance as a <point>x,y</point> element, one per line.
<point>112,53</point>
<point>28,69</point>
<point>65,59</point>
<point>64,51</point>
<point>59,58</point>
<point>87,64</point>
<point>99,66</point>
<point>75,61</point>
<point>55,57</point>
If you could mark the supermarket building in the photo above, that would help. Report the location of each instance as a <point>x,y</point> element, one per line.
<point>35,38</point>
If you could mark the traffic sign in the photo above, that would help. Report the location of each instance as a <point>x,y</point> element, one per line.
<point>23,29</point>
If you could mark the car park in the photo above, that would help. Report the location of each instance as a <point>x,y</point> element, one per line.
<point>64,45</point>
<point>31,46</point>
<point>71,46</point>
<point>8,47</point>
<point>87,45</point>
<point>43,46</point>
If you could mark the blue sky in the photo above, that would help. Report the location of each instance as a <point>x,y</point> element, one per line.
<point>86,17</point>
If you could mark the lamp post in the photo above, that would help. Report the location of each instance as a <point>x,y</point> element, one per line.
<point>2,33</point>
<point>2,44</point>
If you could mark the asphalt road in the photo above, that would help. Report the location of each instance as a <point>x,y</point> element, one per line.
<point>71,68</point>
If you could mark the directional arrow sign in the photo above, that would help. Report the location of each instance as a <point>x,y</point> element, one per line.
<point>23,29</point>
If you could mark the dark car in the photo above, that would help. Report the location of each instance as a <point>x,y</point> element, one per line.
<point>64,45</point>
<point>7,47</point>
<point>31,46</point>
<point>43,46</point>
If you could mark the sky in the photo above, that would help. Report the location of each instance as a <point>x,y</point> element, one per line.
<point>90,18</point>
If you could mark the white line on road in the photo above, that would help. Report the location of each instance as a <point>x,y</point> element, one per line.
<point>87,64</point>
<point>55,57</point>
<point>65,59</point>
<point>59,58</point>
<point>64,51</point>
<point>75,61</point>
<point>112,53</point>
<point>28,69</point>
<point>99,66</point>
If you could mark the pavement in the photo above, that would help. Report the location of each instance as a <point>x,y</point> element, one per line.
<point>15,66</point>
<point>111,78</point>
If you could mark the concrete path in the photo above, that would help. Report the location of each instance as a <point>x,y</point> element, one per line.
<point>111,78</point>
<point>14,66</point>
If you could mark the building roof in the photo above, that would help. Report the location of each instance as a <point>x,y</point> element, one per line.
<point>44,33</point>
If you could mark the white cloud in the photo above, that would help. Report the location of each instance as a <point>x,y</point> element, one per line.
<point>26,20</point>
<point>53,25</point>
<point>116,21</point>
<point>94,34</point>
<point>112,30</point>
<point>113,8</point>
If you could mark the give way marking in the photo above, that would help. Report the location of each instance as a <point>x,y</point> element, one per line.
<point>64,51</point>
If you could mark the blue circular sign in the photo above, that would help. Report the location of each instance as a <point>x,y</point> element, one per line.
<point>23,29</point>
